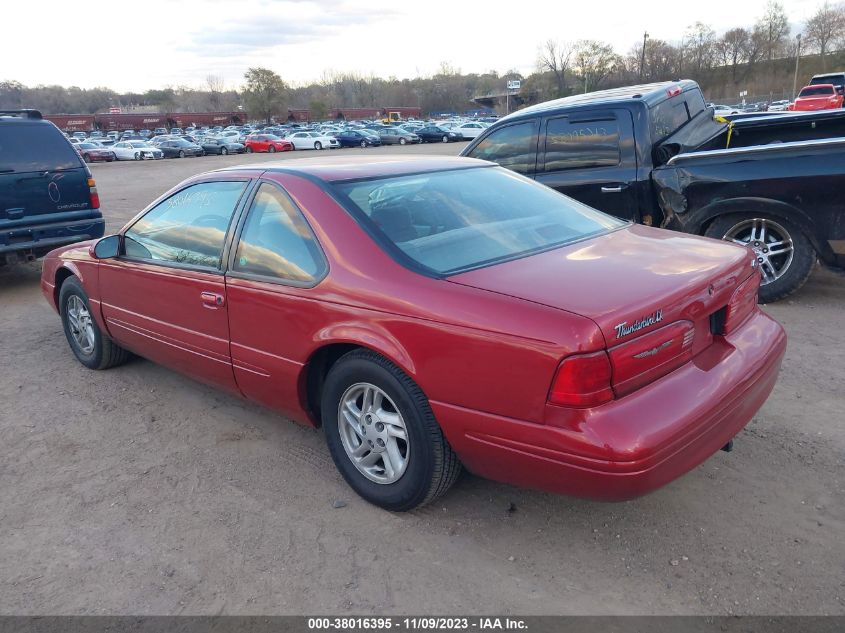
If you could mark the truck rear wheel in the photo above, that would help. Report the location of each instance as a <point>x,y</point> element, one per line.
<point>785,255</point>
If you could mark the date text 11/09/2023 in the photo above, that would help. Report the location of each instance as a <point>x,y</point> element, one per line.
<point>417,623</point>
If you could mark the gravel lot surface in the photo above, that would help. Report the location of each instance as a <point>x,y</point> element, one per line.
<point>138,491</point>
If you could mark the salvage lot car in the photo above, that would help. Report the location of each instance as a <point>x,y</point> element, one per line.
<point>47,195</point>
<point>136,150</point>
<point>95,153</point>
<point>430,320</point>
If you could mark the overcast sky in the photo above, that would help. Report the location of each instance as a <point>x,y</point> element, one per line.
<point>155,43</point>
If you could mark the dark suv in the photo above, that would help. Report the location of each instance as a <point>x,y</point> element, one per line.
<point>47,195</point>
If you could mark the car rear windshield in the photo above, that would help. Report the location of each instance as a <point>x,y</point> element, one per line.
<point>27,147</point>
<point>816,92</point>
<point>668,116</point>
<point>836,80</point>
<point>451,221</point>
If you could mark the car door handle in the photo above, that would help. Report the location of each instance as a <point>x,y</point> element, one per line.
<point>212,300</point>
<point>614,189</point>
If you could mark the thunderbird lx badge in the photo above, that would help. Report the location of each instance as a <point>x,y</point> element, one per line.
<point>623,329</point>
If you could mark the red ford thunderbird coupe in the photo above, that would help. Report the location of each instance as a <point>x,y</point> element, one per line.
<point>434,313</point>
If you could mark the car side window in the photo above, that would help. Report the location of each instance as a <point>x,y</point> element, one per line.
<point>512,146</point>
<point>277,242</point>
<point>581,144</point>
<point>188,228</point>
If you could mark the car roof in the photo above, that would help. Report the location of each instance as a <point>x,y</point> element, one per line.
<point>645,93</point>
<point>341,168</point>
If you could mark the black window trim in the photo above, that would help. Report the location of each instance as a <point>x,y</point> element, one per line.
<point>585,118</point>
<point>230,271</point>
<point>220,269</point>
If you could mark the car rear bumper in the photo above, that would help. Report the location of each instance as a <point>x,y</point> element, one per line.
<point>638,443</point>
<point>42,238</point>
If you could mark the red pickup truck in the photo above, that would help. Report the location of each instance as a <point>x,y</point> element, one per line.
<point>818,97</point>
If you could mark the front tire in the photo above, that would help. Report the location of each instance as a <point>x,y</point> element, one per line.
<point>181,153</point>
<point>91,347</point>
<point>223,151</point>
<point>249,150</point>
<point>382,434</point>
<point>318,145</point>
<point>785,255</point>
<point>137,155</point>
<point>402,141</point>
<point>272,149</point>
<point>363,144</point>
<point>445,139</point>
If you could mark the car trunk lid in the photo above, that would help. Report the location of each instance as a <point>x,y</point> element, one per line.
<point>630,282</point>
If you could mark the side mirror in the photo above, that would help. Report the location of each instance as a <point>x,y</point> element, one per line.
<point>106,248</point>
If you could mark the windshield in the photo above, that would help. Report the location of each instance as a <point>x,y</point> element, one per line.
<point>455,220</point>
<point>836,80</point>
<point>816,92</point>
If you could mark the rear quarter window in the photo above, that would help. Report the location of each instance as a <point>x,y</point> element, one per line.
<point>670,115</point>
<point>35,147</point>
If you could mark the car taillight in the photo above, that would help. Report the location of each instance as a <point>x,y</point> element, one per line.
<point>742,304</point>
<point>582,380</point>
<point>92,192</point>
<point>651,356</point>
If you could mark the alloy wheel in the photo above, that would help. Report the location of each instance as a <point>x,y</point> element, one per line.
<point>373,433</point>
<point>772,245</point>
<point>81,325</point>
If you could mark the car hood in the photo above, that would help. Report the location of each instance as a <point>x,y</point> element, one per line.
<point>625,277</point>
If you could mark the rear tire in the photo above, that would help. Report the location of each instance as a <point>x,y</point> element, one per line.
<point>429,465</point>
<point>79,325</point>
<point>787,274</point>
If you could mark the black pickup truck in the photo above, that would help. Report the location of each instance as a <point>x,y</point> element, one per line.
<point>654,154</point>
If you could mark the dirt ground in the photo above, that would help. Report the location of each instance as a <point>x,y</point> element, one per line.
<point>138,491</point>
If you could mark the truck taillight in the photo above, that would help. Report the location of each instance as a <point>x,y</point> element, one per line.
<point>742,304</point>
<point>582,380</point>
<point>93,194</point>
<point>651,356</point>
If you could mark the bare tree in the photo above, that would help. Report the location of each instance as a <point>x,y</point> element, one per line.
<point>594,61</point>
<point>773,28</point>
<point>699,42</point>
<point>215,86</point>
<point>824,29</point>
<point>733,49</point>
<point>555,58</point>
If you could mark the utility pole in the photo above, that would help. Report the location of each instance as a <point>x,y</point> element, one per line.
<point>507,100</point>
<point>797,57</point>
<point>642,57</point>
